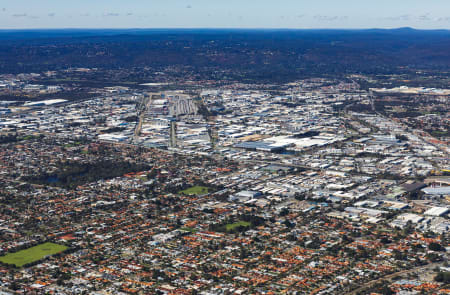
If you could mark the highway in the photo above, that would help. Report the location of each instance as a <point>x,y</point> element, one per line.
<point>370,284</point>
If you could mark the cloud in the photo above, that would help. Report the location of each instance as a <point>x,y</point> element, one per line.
<point>403,17</point>
<point>20,15</point>
<point>3,9</point>
<point>189,6</point>
<point>52,14</point>
<point>330,18</point>
<point>444,19</point>
<point>424,17</point>
<point>420,18</point>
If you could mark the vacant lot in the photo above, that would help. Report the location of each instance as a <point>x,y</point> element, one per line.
<point>195,190</point>
<point>32,254</point>
<point>189,229</point>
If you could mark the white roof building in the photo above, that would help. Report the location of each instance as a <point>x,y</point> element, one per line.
<point>437,211</point>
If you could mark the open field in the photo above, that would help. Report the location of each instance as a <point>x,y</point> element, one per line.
<point>195,190</point>
<point>32,254</point>
<point>230,227</point>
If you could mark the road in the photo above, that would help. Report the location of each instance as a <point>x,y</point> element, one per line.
<point>142,109</point>
<point>370,284</point>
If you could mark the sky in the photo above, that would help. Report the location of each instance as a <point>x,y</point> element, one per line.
<point>301,14</point>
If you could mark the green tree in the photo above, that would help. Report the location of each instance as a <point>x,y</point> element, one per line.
<point>443,277</point>
<point>433,246</point>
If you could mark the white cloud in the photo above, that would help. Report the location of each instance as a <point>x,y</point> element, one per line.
<point>20,15</point>
<point>111,14</point>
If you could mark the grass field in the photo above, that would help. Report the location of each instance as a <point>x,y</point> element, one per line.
<point>32,254</point>
<point>231,226</point>
<point>195,190</point>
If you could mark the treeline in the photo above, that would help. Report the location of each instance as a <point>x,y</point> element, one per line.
<point>14,137</point>
<point>443,277</point>
<point>8,138</point>
<point>72,174</point>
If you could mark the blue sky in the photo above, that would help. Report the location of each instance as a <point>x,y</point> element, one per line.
<point>421,14</point>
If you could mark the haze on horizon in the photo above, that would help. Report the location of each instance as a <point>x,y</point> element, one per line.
<point>301,14</point>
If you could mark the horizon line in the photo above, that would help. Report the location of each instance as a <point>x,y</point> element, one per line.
<point>223,28</point>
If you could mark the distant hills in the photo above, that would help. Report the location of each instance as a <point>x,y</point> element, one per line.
<point>257,54</point>
<point>24,34</point>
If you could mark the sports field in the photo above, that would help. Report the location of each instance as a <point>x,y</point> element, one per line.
<point>195,190</point>
<point>32,254</point>
<point>230,227</point>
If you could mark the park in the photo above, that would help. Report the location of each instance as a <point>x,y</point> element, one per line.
<point>33,254</point>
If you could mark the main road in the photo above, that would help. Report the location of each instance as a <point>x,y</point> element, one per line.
<point>370,284</point>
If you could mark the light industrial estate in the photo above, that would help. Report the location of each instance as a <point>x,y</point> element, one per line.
<point>317,186</point>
